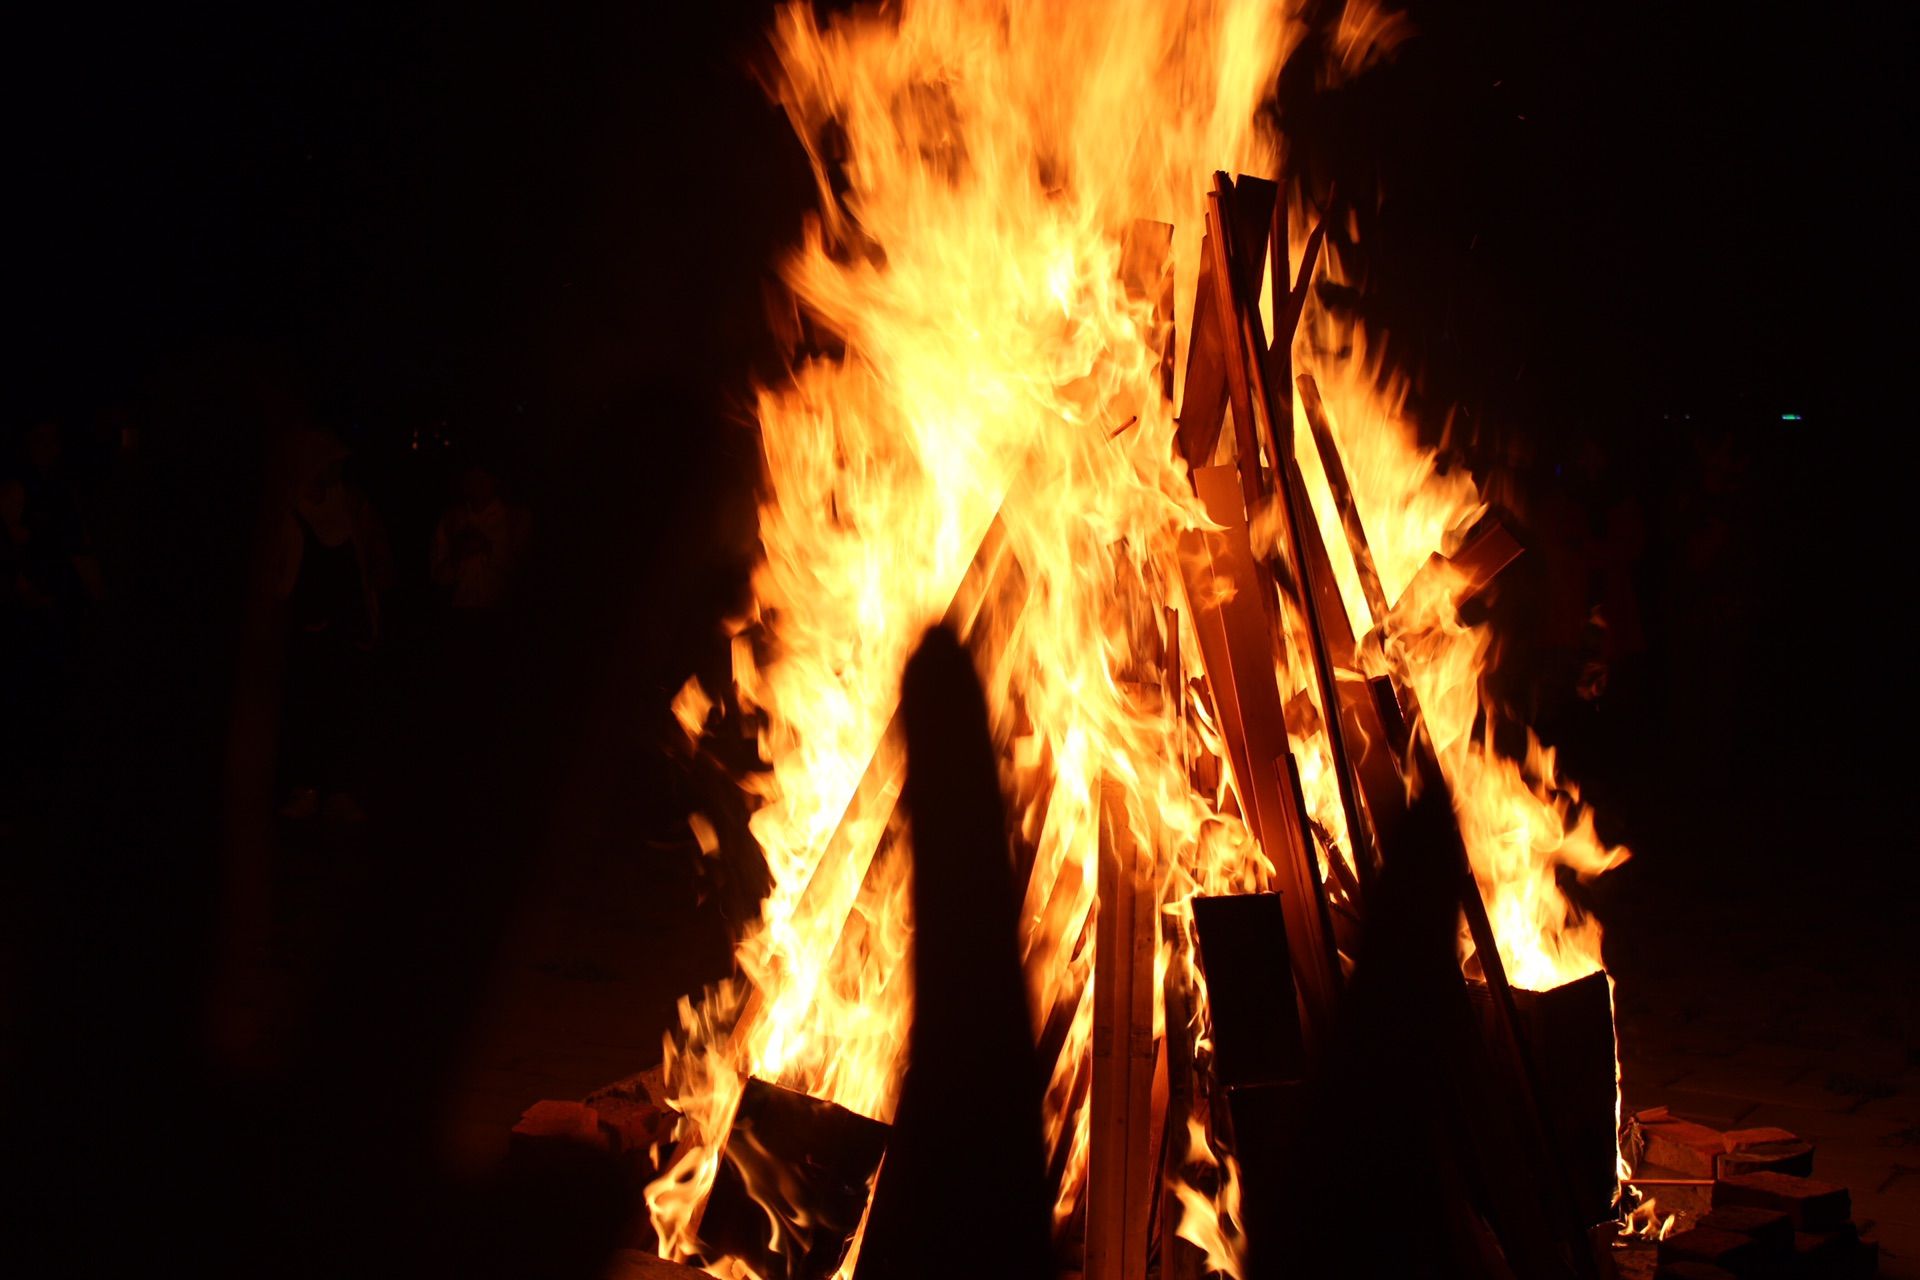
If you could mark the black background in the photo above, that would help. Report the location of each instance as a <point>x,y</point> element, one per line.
<point>550,231</point>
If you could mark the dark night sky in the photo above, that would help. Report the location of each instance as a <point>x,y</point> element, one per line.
<point>555,227</point>
<point>428,209</point>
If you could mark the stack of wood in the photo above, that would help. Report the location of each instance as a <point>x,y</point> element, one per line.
<point>1539,1089</point>
<point>1533,1168</point>
<point>1744,1203</point>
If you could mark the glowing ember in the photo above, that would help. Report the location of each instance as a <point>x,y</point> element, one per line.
<point>980,165</point>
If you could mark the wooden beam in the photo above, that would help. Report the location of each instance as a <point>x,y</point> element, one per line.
<point>1121,1168</point>
<point>1203,399</point>
<point>1235,331</point>
<point>1179,1259</point>
<point>1236,643</point>
<point>1343,501</point>
<point>1247,369</point>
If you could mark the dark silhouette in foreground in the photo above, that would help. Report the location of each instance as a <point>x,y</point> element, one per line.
<point>963,1188</point>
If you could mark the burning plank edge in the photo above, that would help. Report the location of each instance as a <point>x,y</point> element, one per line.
<point>1424,764</point>
<point>802,1167</point>
<point>993,579</point>
<point>1238,255</point>
<point>1122,1159</point>
<point>1239,668</point>
<point>1565,1201</point>
<point>1343,501</point>
<point>1569,1029</point>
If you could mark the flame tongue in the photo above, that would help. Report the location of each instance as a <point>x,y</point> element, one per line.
<point>980,165</point>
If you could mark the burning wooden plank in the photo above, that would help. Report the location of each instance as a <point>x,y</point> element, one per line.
<point>1122,1154</point>
<point>1255,1021</point>
<point>793,1183</point>
<point>1343,502</point>
<point>1179,1259</point>
<point>1569,1031</point>
<point>1233,629</point>
<point>1239,248</point>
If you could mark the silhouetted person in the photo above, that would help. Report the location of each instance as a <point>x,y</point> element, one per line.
<point>66,570</point>
<point>480,543</point>
<point>331,579</point>
<point>963,1190</point>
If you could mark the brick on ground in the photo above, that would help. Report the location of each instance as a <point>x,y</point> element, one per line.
<point>1727,1250</point>
<point>1685,1202</point>
<point>1826,1255</point>
<point>635,1264</point>
<point>549,1124</point>
<point>1692,1271</point>
<point>1811,1205</point>
<point>1767,1149</point>
<point>1673,1143</point>
<point>1770,1228</point>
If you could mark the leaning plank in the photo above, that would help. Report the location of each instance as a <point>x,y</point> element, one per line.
<point>1343,501</point>
<point>1120,1168</point>
<point>1236,330</point>
<point>993,581</point>
<point>793,1183</point>
<point>1236,648</point>
<point>1180,1259</point>
<point>1237,258</point>
<point>1203,398</point>
<point>1551,1187</point>
<point>1256,1023</point>
<point>1488,549</point>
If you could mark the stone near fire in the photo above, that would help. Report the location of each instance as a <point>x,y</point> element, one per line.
<point>1692,1271</point>
<point>1769,1227</point>
<point>1767,1151</point>
<point>551,1121</point>
<point>1810,1205</point>
<point>1727,1250</point>
<point>631,1112</point>
<point>1682,1145</point>
<point>637,1264</point>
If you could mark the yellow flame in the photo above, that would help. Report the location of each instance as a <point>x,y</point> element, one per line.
<point>980,165</point>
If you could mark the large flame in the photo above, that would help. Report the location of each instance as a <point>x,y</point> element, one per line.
<point>980,165</point>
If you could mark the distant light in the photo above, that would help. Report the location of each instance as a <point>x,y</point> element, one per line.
<point>1789,417</point>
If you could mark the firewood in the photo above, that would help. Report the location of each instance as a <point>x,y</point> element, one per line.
<point>1179,1258</point>
<point>1238,217</point>
<point>1770,1227</point>
<point>1487,549</point>
<point>794,1160</point>
<point>1234,331</point>
<point>1343,500</point>
<point>1683,1146</point>
<point>1724,1249</point>
<point>1832,1255</point>
<point>1688,1269</point>
<point>1766,1150</point>
<point>1571,1033</point>
<point>1236,648</point>
<point>1242,942</point>
<point>1813,1206</point>
<point>1121,1167</point>
<point>551,1132</point>
<point>635,1264</point>
<point>1203,397</point>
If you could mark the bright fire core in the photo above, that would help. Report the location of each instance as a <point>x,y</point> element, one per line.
<point>978,367</point>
